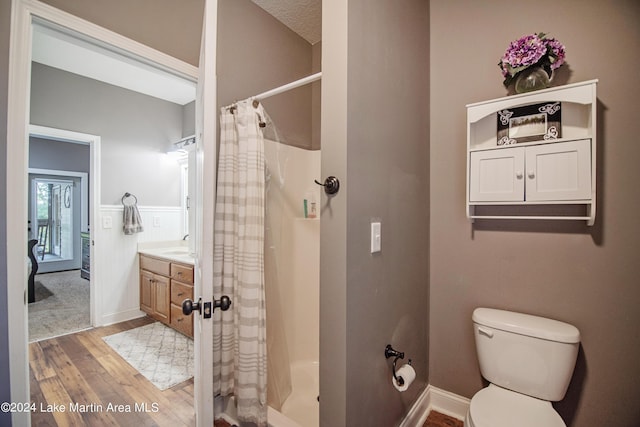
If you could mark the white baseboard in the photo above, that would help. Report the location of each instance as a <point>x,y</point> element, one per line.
<point>123,316</point>
<point>433,398</point>
<point>449,403</point>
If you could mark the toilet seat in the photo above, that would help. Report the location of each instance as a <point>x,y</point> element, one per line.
<point>495,406</point>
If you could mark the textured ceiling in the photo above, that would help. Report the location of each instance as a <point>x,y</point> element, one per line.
<point>303,16</point>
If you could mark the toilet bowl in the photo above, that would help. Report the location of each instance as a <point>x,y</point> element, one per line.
<point>529,361</point>
<point>495,406</point>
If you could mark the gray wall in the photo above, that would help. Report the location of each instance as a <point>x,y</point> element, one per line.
<point>257,53</point>
<point>387,180</point>
<point>587,276</point>
<point>5,385</point>
<point>189,119</point>
<point>388,172</point>
<point>58,155</point>
<point>136,131</point>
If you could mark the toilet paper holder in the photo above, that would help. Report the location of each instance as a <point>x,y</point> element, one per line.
<point>389,352</point>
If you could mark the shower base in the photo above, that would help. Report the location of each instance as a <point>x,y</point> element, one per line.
<point>301,409</point>
<point>302,404</point>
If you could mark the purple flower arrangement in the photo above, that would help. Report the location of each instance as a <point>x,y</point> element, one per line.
<point>534,50</point>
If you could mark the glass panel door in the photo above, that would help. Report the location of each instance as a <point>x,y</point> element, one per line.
<point>53,217</point>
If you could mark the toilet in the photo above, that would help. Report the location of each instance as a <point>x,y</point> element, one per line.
<point>529,361</point>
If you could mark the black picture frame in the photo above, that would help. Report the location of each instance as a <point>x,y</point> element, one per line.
<point>535,122</point>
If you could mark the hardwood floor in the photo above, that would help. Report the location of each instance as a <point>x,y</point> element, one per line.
<point>78,380</point>
<point>436,419</point>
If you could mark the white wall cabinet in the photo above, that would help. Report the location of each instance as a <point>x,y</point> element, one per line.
<point>556,168</point>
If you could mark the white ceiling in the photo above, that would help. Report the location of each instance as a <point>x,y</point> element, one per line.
<point>64,51</point>
<point>59,49</point>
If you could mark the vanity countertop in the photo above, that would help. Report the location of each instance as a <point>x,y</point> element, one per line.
<point>176,251</point>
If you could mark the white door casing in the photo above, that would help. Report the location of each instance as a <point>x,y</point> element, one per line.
<point>206,123</point>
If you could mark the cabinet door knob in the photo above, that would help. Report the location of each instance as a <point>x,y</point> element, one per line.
<point>531,174</point>
<point>519,174</point>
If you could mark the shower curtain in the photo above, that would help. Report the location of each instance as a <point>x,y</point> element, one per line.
<point>240,357</point>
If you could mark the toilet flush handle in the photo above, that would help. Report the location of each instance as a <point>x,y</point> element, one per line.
<point>486,332</point>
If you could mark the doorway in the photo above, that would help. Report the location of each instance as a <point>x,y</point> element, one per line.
<point>58,231</point>
<point>54,221</point>
<point>25,14</point>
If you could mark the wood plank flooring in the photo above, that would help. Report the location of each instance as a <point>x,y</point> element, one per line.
<point>78,380</point>
<point>436,419</point>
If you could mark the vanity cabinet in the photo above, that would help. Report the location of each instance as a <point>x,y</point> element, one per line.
<point>164,284</point>
<point>547,174</point>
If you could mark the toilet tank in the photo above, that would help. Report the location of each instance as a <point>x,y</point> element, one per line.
<point>527,354</point>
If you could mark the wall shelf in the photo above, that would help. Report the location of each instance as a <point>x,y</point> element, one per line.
<point>549,157</point>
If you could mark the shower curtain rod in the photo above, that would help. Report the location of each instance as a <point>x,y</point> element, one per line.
<point>284,88</point>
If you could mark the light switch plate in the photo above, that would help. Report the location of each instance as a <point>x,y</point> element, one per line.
<point>376,237</point>
<point>107,222</point>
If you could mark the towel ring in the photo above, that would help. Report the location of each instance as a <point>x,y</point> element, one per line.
<point>127,195</point>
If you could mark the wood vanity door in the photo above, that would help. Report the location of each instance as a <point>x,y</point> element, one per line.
<point>161,297</point>
<point>146,291</point>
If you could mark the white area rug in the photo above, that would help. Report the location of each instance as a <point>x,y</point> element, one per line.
<point>162,355</point>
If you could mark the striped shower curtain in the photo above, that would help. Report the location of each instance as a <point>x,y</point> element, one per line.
<point>239,341</point>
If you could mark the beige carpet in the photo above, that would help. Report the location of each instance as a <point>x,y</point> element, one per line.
<point>163,355</point>
<point>61,306</point>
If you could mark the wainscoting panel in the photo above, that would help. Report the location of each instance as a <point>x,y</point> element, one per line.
<point>116,279</point>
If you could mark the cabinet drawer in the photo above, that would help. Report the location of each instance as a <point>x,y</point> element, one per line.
<point>180,292</point>
<point>155,265</point>
<point>180,322</point>
<point>183,273</point>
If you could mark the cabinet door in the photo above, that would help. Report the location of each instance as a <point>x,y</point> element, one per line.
<point>161,297</point>
<point>560,171</point>
<point>497,175</point>
<point>146,291</point>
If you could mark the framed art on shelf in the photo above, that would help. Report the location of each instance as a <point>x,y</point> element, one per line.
<point>535,122</point>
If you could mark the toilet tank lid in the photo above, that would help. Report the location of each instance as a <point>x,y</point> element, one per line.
<point>526,324</point>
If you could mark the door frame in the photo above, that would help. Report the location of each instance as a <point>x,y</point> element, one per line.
<point>23,12</point>
<point>205,195</point>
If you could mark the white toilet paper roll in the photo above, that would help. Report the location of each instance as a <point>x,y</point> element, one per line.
<point>407,373</point>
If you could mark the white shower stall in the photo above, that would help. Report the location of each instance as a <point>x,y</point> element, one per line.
<point>292,274</point>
